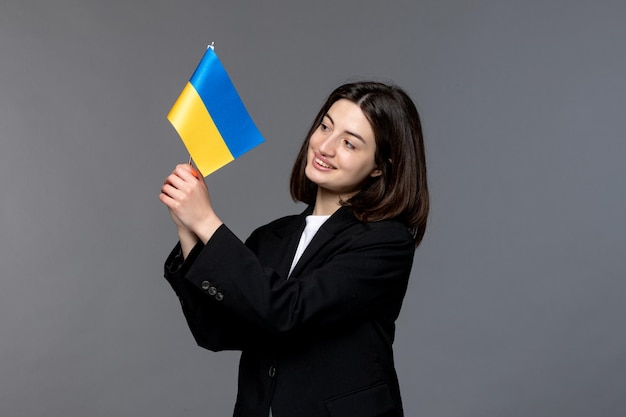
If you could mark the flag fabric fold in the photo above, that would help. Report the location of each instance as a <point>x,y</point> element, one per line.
<point>211,119</point>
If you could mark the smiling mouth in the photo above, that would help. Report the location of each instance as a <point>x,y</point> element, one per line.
<point>323,164</point>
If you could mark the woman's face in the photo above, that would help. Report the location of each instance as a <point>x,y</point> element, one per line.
<point>341,150</point>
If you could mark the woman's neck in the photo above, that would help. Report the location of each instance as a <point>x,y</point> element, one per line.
<point>327,202</point>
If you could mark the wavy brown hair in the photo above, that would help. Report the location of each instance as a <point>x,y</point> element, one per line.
<point>401,192</point>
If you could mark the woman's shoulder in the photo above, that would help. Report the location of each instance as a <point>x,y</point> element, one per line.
<point>284,225</point>
<point>383,230</point>
<point>281,222</point>
<point>345,223</point>
<point>391,226</point>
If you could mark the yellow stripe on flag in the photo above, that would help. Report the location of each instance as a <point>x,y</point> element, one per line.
<point>196,128</point>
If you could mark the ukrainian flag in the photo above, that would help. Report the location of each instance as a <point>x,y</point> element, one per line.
<point>211,119</point>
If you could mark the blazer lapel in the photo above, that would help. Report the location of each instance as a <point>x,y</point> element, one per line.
<point>339,221</point>
<point>287,239</point>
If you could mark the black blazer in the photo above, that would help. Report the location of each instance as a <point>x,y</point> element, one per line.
<point>318,343</point>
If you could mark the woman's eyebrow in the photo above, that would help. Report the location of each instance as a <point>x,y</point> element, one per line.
<point>356,135</point>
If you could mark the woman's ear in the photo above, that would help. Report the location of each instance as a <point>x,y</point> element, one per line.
<point>376,173</point>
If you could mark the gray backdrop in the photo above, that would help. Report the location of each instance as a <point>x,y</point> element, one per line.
<point>516,304</point>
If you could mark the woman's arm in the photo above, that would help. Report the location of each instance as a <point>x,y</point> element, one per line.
<point>186,196</point>
<point>212,326</point>
<point>359,275</point>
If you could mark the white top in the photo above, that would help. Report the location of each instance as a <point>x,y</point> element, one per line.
<point>313,223</point>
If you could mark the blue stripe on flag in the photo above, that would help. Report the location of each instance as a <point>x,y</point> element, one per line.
<point>224,105</point>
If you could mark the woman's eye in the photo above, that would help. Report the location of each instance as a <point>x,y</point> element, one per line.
<point>349,144</point>
<point>324,127</point>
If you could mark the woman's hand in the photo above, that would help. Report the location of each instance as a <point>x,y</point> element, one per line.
<point>186,196</point>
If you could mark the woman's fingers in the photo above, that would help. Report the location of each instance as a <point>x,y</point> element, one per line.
<point>184,192</point>
<point>183,178</point>
<point>184,170</point>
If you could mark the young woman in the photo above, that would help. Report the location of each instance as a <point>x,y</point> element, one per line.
<point>311,299</point>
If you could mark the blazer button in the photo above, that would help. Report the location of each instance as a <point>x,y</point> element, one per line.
<point>219,296</point>
<point>205,285</point>
<point>272,371</point>
<point>212,291</point>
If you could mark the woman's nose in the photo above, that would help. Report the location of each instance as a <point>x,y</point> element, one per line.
<point>327,147</point>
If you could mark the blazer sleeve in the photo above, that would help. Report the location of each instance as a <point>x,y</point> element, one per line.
<point>212,326</point>
<point>364,277</point>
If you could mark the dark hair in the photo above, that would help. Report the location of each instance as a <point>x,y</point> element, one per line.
<point>401,192</point>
